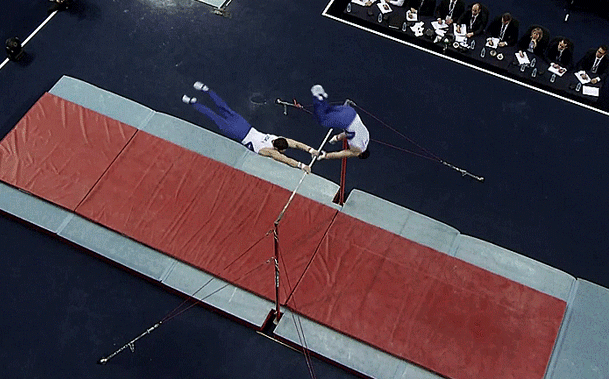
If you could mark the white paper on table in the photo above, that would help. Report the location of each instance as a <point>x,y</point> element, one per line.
<point>418,26</point>
<point>418,31</point>
<point>492,42</point>
<point>411,16</point>
<point>436,25</point>
<point>590,91</point>
<point>460,37</point>
<point>557,70</point>
<point>582,77</point>
<point>384,7</point>
<point>524,59</point>
<point>463,30</point>
<point>363,2</point>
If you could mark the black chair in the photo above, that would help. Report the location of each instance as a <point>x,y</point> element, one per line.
<point>14,50</point>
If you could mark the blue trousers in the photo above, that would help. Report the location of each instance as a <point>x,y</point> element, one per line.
<point>333,116</point>
<point>229,122</point>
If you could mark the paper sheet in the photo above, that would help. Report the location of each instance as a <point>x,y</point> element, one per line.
<point>436,25</point>
<point>492,42</point>
<point>524,59</point>
<point>363,2</point>
<point>410,16</point>
<point>460,37</point>
<point>582,77</point>
<point>556,69</point>
<point>590,91</point>
<point>384,7</point>
<point>418,28</point>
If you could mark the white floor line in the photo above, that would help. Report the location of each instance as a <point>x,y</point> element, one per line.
<point>32,35</point>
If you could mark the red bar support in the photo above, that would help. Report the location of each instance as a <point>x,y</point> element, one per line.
<point>339,198</point>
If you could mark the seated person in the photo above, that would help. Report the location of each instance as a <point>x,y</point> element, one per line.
<point>449,10</point>
<point>422,7</point>
<point>397,3</point>
<point>534,40</point>
<point>595,62</point>
<point>504,27</point>
<point>475,19</point>
<point>560,52</point>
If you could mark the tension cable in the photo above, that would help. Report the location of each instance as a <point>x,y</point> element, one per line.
<point>426,153</point>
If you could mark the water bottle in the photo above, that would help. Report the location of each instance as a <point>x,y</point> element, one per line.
<point>553,78</point>
<point>533,61</point>
<point>534,73</point>
<point>380,17</point>
<point>482,52</point>
<point>404,26</point>
<point>579,86</point>
<point>472,45</point>
<point>348,7</point>
<point>523,67</point>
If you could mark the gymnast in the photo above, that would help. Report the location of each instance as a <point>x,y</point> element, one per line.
<point>235,126</point>
<point>340,117</point>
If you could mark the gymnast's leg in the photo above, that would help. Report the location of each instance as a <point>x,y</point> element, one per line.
<point>224,125</point>
<point>228,121</point>
<point>330,116</point>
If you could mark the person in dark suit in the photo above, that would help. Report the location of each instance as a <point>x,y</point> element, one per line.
<point>534,40</point>
<point>449,10</point>
<point>595,62</point>
<point>504,27</point>
<point>422,7</point>
<point>560,52</point>
<point>475,20</point>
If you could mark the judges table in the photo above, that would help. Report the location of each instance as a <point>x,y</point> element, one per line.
<point>392,21</point>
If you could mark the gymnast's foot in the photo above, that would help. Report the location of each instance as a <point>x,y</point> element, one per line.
<point>189,100</point>
<point>318,92</point>
<point>200,87</point>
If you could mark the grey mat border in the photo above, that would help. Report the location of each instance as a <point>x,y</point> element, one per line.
<point>30,208</point>
<point>101,101</point>
<point>582,347</point>
<point>448,240</point>
<point>346,351</point>
<point>133,255</point>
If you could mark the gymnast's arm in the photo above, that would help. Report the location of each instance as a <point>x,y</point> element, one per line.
<point>347,153</point>
<point>276,155</point>
<point>299,145</point>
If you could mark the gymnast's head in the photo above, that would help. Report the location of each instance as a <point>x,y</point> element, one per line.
<point>365,154</point>
<point>280,144</point>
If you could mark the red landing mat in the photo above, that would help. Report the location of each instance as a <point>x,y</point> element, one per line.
<point>59,150</point>
<point>411,301</point>
<point>427,307</point>
<point>205,213</point>
<point>183,204</point>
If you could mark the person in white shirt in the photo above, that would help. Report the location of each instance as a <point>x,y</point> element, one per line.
<point>340,117</point>
<point>233,125</point>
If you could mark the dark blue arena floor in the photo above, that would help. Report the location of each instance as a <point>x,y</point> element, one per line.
<point>544,161</point>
